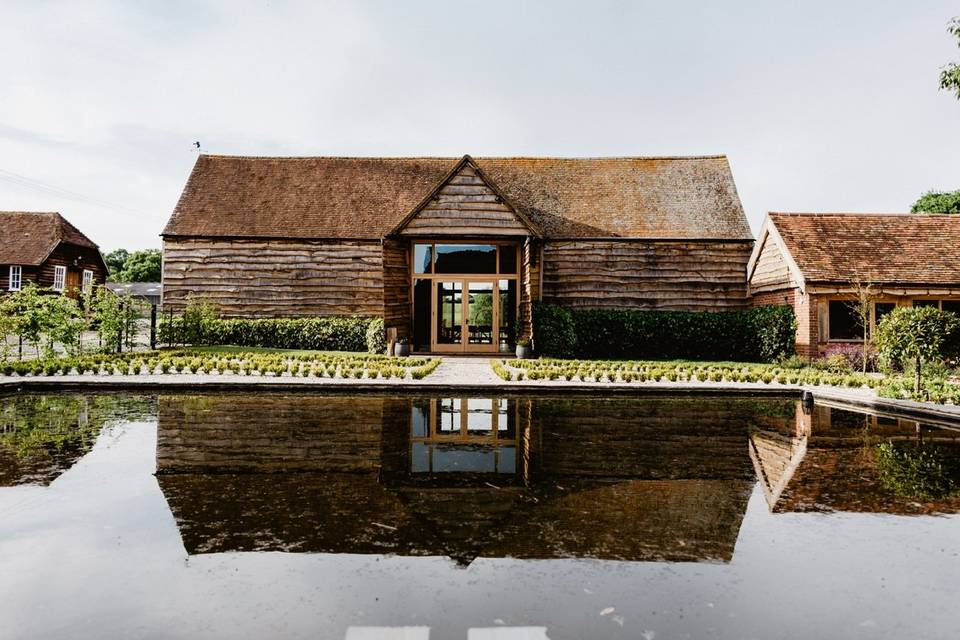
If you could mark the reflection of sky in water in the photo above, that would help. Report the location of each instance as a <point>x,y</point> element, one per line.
<point>97,554</point>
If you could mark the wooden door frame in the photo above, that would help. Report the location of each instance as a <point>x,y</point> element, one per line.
<point>464,279</point>
<point>465,346</point>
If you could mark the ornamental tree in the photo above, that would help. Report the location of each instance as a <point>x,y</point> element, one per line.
<point>918,335</point>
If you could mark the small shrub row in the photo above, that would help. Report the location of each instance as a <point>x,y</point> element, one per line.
<point>321,334</point>
<point>761,334</point>
<point>656,371</point>
<point>241,364</point>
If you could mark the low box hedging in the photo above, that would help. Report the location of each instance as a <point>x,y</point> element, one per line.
<point>322,334</point>
<point>761,334</point>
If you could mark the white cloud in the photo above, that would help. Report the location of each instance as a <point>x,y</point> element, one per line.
<point>820,107</point>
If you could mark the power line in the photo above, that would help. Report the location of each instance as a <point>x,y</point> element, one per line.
<point>30,183</point>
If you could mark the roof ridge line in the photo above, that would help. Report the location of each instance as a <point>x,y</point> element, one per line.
<point>654,157</point>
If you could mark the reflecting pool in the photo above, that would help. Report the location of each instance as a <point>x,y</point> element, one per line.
<point>369,516</point>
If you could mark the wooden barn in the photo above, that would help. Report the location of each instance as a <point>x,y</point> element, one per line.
<point>815,261</point>
<point>452,252</point>
<point>45,249</point>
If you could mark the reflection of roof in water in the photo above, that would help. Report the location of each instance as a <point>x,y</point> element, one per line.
<point>677,520</point>
<point>626,479</point>
<point>827,461</point>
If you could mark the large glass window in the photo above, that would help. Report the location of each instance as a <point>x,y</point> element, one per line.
<point>422,258</point>
<point>952,305</point>
<point>844,324</point>
<point>881,309</point>
<point>422,305</point>
<point>466,258</point>
<point>508,315</point>
<point>508,259</point>
<point>927,303</point>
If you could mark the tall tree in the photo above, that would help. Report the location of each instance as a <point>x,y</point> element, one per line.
<point>141,266</point>
<point>950,76</point>
<point>115,260</point>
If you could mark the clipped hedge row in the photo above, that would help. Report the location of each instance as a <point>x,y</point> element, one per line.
<point>324,334</point>
<point>761,334</point>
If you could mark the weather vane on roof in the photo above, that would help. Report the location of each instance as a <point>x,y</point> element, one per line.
<point>197,146</point>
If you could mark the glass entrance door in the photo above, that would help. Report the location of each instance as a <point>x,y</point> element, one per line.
<point>466,315</point>
<point>449,313</point>
<point>479,315</point>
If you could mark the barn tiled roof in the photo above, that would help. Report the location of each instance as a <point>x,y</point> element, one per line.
<point>319,197</point>
<point>28,237</point>
<point>873,247</point>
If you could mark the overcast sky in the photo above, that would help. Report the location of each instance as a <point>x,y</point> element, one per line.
<point>820,106</point>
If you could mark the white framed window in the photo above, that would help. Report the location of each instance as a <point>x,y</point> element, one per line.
<point>87,280</point>
<point>59,277</point>
<point>16,278</point>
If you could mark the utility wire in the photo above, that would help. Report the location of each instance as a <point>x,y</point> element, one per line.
<point>30,183</point>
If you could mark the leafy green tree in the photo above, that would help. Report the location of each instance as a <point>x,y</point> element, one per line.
<point>43,319</point>
<point>65,323</point>
<point>115,317</point>
<point>141,266</point>
<point>116,260</point>
<point>937,202</point>
<point>950,75</point>
<point>918,335</point>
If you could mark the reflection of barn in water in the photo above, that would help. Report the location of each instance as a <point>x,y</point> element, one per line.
<point>825,459</point>
<point>627,479</point>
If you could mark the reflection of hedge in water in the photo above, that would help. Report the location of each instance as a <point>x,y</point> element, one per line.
<point>918,470</point>
<point>43,435</point>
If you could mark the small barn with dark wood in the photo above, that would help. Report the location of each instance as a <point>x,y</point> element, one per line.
<point>815,262</point>
<point>45,249</point>
<point>452,252</point>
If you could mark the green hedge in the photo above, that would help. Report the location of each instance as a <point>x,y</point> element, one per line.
<point>323,334</point>
<point>761,334</point>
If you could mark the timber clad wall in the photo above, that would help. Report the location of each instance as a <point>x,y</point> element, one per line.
<point>770,271</point>
<point>75,259</point>
<point>396,285</point>
<point>465,206</point>
<point>267,278</point>
<point>613,274</point>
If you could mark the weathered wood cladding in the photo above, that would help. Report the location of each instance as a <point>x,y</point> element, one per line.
<point>396,285</point>
<point>465,206</point>
<point>771,272</point>
<point>681,275</point>
<point>237,432</point>
<point>75,259</point>
<point>273,278</point>
<point>529,286</point>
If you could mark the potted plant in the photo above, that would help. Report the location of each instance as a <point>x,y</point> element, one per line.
<point>524,349</point>
<point>401,348</point>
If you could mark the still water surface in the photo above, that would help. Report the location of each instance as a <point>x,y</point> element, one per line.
<point>308,516</point>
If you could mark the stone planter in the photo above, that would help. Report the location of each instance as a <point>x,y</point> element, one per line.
<point>401,349</point>
<point>524,351</point>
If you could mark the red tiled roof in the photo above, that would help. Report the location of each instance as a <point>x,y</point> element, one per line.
<point>873,247</point>
<point>318,197</point>
<point>28,237</point>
